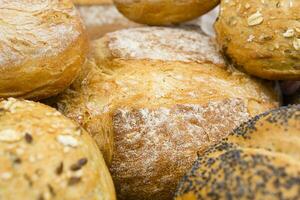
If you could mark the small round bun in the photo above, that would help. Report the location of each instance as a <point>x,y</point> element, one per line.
<point>45,155</point>
<point>164,12</point>
<point>161,95</point>
<point>261,37</point>
<point>101,18</point>
<point>257,161</point>
<point>43,47</point>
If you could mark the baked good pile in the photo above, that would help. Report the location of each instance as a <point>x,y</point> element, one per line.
<point>135,100</point>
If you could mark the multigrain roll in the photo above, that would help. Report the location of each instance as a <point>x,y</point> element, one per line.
<point>261,37</point>
<point>159,95</point>
<point>164,12</point>
<point>259,160</point>
<point>101,17</point>
<point>43,47</point>
<point>44,155</point>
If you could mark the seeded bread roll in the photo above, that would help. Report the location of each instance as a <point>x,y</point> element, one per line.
<point>44,155</point>
<point>259,160</point>
<point>159,95</point>
<point>43,47</point>
<point>261,37</point>
<point>164,12</point>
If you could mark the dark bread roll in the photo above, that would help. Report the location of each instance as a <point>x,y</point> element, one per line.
<point>259,160</point>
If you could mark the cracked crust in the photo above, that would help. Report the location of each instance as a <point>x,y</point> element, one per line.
<point>120,97</point>
<point>43,46</point>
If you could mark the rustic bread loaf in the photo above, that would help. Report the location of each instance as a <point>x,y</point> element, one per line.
<point>261,37</point>
<point>157,96</point>
<point>42,47</point>
<point>259,160</point>
<point>164,12</point>
<point>44,155</point>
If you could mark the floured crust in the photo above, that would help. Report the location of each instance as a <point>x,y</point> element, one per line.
<point>155,142</point>
<point>92,2</point>
<point>45,155</point>
<point>111,85</point>
<point>36,36</point>
<point>167,44</point>
<point>100,19</point>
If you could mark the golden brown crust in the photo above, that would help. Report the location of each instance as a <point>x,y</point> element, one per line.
<point>42,48</point>
<point>92,2</point>
<point>100,19</point>
<point>261,38</point>
<point>265,148</point>
<point>146,74</point>
<point>44,155</point>
<point>153,12</point>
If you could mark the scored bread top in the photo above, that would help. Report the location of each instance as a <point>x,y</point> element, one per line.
<point>167,44</point>
<point>33,29</point>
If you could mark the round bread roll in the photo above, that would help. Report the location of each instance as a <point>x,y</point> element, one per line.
<point>257,161</point>
<point>43,47</point>
<point>164,12</point>
<point>159,95</point>
<point>44,155</point>
<point>101,17</point>
<point>261,37</point>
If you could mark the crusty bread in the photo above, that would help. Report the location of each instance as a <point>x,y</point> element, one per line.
<point>92,2</point>
<point>102,18</point>
<point>164,12</point>
<point>44,155</point>
<point>257,161</point>
<point>43,47</point>
<point>163,94</point>
<point>241,174</point>
<point>261,37</point>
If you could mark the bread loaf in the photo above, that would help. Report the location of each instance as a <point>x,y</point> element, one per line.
<point>42,47</point>
<point>261,37</point>
<point>44,155</point>
<point>164,12</point>
<point>259,160</point>
<point>157,96</point>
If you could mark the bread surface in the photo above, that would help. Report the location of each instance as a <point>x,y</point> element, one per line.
<point>43,46</point>
<point>158,96</point>
<point>45,155</point>
<point>164,12</point>
<point>92,2</point>
<point>257,161</point>
<point>261,37</point>
<point>100,19</point>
